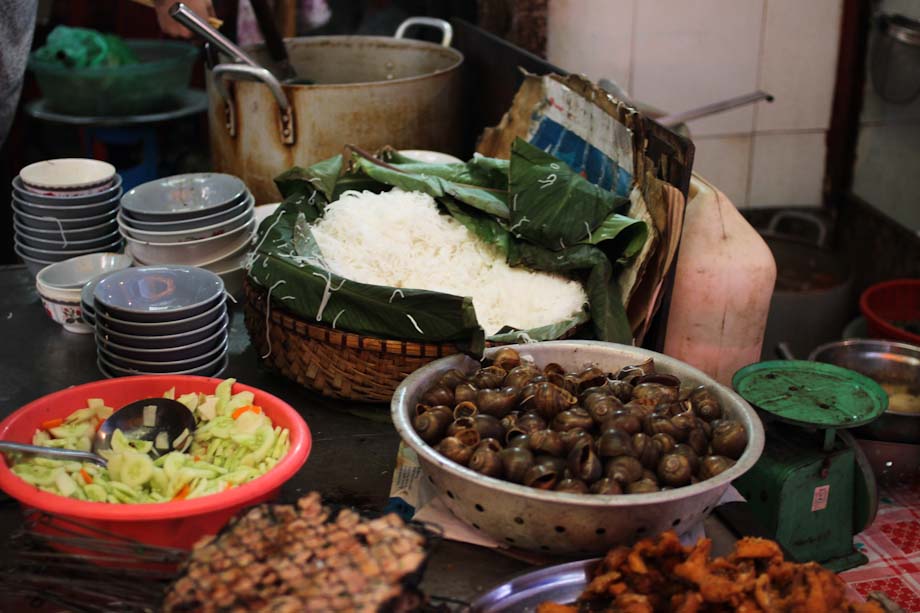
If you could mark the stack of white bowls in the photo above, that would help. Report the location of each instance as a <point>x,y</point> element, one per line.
<point>160,320</point>
<point>64,208</point>
<point>60,285</point>
<point>200,219</point>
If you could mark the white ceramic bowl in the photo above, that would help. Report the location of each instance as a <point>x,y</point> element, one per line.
<point>23,193</point>
<point>64,311</point>
<point>72,274</point>
<point>188,236</point>
<point>166,328</point>
<point>51,223</point>
<point>68,211</point>
<point>67,174</point>
<point>57,245</point>
<point>213,369</point>
<point>50,255</point>
<point>192,252</point>
<point>190,225</point>
<point>185,367</point>
<point>80,234</point>
<point>192,351</point>
<point>184,196</point>
<point>139,341</point>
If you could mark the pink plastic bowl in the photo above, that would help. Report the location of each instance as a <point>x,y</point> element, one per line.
<point>168,524</point>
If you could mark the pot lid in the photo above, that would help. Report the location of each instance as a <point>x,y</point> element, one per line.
<point>811,393</point>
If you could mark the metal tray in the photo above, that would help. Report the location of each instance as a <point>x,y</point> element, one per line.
<point>562,584</point>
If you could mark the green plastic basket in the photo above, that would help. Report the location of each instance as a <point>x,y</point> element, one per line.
<point>153,85</point>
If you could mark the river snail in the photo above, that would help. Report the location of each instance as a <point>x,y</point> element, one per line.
<point>520,376</point>
<point>713,465</point>
<point>465,392</point>
<point>486,458</point>
<point>489,427</point>
<point>572,418</point>
<point>438,394</point>
<point>572,486</point>
<point>490,376</point>
<point>506,359</point>
<point>432,425</point>
<point>497,401</point>
<point>728,439</point>
<point>516,461</point>
<point>583,431</point>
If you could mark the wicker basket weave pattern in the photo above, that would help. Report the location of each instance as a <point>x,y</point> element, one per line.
<point>335,363</point>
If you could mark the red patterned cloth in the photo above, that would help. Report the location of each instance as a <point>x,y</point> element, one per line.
<point>892,544</point>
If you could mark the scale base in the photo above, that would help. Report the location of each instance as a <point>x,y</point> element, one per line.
<point>851,560</point>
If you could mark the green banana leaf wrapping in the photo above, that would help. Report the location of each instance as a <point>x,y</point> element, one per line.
<point>566,211</point>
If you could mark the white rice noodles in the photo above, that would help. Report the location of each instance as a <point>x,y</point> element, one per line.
<point>400,239</point>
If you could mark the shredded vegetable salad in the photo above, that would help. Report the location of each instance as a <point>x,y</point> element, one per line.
<point>234,442</point>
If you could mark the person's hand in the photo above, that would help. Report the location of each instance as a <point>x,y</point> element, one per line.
<point>173,28</point>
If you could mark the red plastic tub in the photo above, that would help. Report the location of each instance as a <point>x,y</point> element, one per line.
<point>168,524</point>
<point>891,302</point>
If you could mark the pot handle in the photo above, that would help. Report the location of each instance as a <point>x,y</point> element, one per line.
<point>286,112</point>
<point>447,30</point>
<point>818,223</point>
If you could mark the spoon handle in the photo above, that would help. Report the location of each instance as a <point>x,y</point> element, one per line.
<point>51,452</point>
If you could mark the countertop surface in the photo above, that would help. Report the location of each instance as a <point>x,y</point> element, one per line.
<point>354,444</point>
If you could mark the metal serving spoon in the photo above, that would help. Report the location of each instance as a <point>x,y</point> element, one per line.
<point>172,417</point>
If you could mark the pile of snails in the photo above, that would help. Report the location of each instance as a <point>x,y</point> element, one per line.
<point>631,432</point>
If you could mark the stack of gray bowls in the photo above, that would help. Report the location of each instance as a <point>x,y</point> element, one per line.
<point>53,223</point>
<point>159,320</point>
<point>204,219</point>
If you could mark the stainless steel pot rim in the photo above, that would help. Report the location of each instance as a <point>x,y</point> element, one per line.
<point>751,453</point>
<point>868,342</point>
<point>320,40</point>
<point>881,346</point>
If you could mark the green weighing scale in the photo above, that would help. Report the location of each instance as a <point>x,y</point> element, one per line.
<point>812,488</point>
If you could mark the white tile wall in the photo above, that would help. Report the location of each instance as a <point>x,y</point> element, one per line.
<point>687,54</point>
<point>787,169</point>
<point>799,62</point>
<point>886,171</point>
<point>676,55</point>
<point>593,37</point>
<point>724,161</point>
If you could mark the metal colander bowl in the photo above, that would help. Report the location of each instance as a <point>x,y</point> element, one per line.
<point>561,523</point>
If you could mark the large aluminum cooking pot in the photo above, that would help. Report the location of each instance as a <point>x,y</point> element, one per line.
<point>812,300</point>
<point>369,91</point>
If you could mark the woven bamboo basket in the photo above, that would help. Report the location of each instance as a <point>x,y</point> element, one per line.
<point>335,363</point>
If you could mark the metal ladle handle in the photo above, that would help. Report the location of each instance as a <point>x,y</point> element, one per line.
<point>447,30</point>
<point>202,28</point>
<point>51,452</point>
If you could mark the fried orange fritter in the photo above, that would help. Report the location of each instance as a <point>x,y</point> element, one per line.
<point>662,576</point>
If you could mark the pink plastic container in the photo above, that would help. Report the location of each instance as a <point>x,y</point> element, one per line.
<point>168,524</point>
<point>722,287</point>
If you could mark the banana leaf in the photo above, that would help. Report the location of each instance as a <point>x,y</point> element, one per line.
<point>477,194</point>
<point>552,205</point>
<point>289,263</point>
